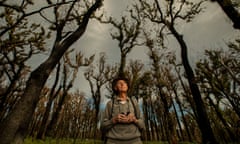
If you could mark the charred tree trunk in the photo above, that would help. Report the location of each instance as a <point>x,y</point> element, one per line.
<point>232,136</point>
<point>14,127</point>
<point>202,118</point>
<point>230,11</point>
<point>180,106</point>
<point>43,126</point>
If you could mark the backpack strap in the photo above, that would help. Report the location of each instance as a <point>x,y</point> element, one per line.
<point>112,99</point>
<point>135,106</point>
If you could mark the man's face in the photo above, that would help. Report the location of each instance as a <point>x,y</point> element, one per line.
<point>121,86</point>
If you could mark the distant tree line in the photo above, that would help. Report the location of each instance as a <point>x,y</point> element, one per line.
<point>179,103</point>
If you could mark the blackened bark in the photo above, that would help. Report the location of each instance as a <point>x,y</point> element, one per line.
<point>231,12</point>
<point>14,127</point>
<point>202,118</point>
<point>16,124</point>
<point>44,123</point>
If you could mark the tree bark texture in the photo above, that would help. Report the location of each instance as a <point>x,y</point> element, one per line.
<point>202,118</point>
<point>14,128</point>
<point>231,12</point>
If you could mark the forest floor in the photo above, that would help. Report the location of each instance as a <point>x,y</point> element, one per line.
<point>78,141</point>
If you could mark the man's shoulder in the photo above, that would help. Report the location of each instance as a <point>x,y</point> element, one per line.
<point>109,102</point>
<point>134,99</point>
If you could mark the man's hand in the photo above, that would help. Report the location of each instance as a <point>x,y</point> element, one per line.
<point>123,118</point>
<point>132,118</point>
<point>120,118</point>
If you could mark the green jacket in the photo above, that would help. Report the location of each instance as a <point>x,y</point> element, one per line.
<point>122,131</point>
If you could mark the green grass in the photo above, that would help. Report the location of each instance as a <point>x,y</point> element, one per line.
<point>158,142</point>
<point>154,142</point>
<point>78,141</point>
<point>60,141</point>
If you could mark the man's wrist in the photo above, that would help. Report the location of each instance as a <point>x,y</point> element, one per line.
<point>114,120</point>
<point>136,121</point>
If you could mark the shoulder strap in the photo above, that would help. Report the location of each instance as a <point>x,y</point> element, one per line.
<point>112,99</point>
<point>136,107</point>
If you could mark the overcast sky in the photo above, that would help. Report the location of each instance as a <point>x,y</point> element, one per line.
<point>209,30</point>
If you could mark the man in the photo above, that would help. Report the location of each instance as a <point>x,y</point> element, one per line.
<point>122,120</point>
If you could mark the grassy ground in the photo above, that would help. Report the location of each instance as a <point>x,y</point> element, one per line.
<point>70,141</point>
<point>60,141</point>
